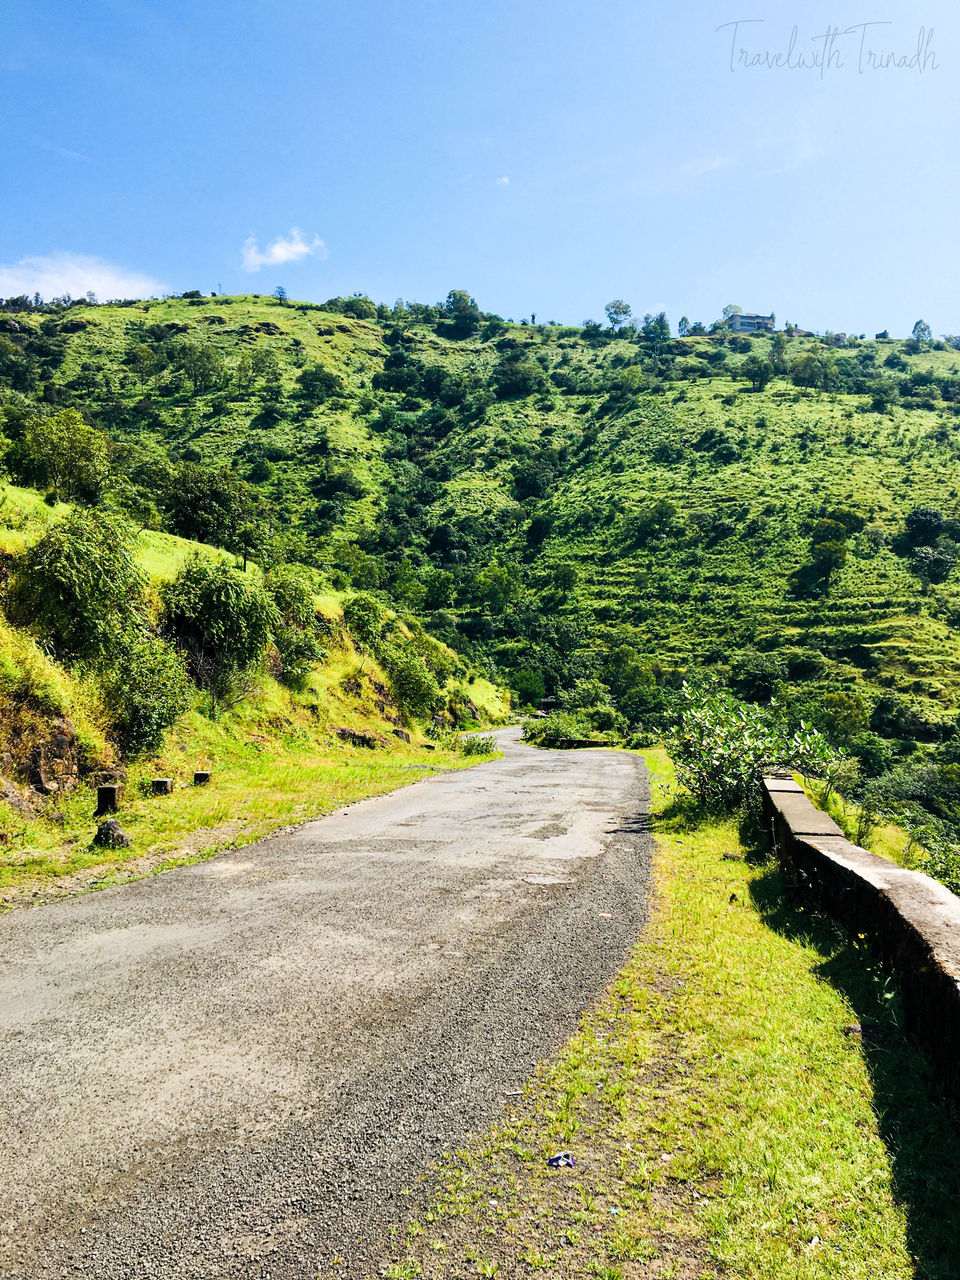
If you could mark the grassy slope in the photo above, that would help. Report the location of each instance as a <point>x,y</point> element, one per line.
<point>682,597</point>
<point>276,758</point>
<point>723,1118</point>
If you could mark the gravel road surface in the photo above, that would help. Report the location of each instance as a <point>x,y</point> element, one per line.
<point>233,1069</point>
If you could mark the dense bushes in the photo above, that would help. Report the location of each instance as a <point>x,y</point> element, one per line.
<point>221,622</point>
<point>555,729</point>
<point>147,690</point>
<point>413,684</point>
<point>79,590</point>
<point>295,637</point>
<point>414,688</point>
<point>78,587</point>
<point>63,454</point>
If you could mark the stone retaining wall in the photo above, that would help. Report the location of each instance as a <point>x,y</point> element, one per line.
<point>912,921</point>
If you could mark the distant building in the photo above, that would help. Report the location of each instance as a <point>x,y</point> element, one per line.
<point>750,322</point>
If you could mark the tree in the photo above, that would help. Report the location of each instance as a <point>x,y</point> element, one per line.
<point>463,312</point>
<point>414,687</point>
<point>208,506</point>
<point>565,577</point>
<point>755,675</point>
<point>264,364</point>
<point>655,520</point>
<point>221,622</point>
<point>495,586</point>
<point>78,586</point>
<point>757,371</point>
<point>812,370</point>
<point>778,353</point>
<point>244,374</point>
<point>618,313</point>
<point>316,384</point>
<point>517,377</point>
<point>143,361</point>
<point>683,326</point>
<point>829,558</point>
<point>921,332</point>
<point>280,293</point>
<point>924,525</point>
<point>884,392</point>
<point>366,620</point>
<point>360,307</point>
<point>656,330</point>
<point>730,310</point>
<point>931,564</point>
<point>294,636</point>
<point>66,454</point>
<point>203,365</point>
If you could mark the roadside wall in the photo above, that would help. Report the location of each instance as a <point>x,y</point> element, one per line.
<point>912,921</point>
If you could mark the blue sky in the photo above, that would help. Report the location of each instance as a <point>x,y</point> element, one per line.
<point>545,155</point>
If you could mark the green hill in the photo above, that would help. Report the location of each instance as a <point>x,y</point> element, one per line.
<point>279,753</point>
<point>562,505</point>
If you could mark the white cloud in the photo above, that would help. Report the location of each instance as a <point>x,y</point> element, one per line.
<point>284,249</point>
<point>683,176</point>
<point>55,274</point>
<point>503,182</point>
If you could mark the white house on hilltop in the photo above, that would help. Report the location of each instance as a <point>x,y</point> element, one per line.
<point>750,322</point>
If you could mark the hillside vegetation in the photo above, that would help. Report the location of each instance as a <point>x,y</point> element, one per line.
<point>591,513</point>
<point>311,718</point>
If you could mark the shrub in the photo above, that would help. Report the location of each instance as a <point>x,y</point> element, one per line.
<point>484,746</point>
<point>366,619</point>
<point>527,685</point>
<point>295,637</point>
<point>221,622</point>
<point>414,688</point>
<point>721,748</point>
<point>755,675</point>
<point>299,651</point>
<point>289,585</point>
<point>606,719</point>
<point>555,728</point>
<point>514,378</point>
<point>63,452</point>
<point>78,587</point>
<point>924,525</point>
<point>147,691</point>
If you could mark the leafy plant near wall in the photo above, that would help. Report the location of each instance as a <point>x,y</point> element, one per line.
<point>721,748</point>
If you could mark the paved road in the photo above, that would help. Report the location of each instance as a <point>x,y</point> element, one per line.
<point>232,1069</point>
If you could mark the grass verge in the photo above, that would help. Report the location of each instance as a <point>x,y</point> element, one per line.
<point>740,1103</point>
<point>274,765</point>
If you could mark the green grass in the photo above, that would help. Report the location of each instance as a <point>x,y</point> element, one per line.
<point>724,1118</point>
<point>276,760</point>
<point>261,782</point>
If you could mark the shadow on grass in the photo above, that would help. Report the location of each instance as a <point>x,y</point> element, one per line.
<point>683,813</point>
<point>921,1131</point>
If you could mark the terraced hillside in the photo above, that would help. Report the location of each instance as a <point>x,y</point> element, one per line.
<point>548,496</point>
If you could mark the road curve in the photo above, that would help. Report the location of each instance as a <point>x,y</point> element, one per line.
<point>231,1069</point>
